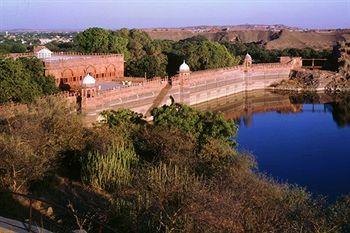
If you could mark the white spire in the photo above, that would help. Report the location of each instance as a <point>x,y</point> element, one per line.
<point>89,80</point>
<point>184,68</point>
<point>248,57</point>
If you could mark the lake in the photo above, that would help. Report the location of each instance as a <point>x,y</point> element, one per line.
<point>299,139</point>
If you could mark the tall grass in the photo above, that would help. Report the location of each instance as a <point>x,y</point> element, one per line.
<point>109,170</point>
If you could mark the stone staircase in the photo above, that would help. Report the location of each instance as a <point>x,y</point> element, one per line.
<point>159,99</point>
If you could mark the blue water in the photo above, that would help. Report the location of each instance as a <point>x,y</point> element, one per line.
<point>310,148</point>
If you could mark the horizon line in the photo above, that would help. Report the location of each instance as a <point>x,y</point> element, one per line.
<point>172,27</point>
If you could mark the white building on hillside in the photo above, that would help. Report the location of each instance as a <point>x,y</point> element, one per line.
<point>42,52</point>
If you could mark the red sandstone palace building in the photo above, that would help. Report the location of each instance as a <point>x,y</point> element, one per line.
<point>70,68</point>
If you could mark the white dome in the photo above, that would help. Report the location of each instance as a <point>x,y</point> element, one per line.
<point>89,80</point>
<point>184,68</point>
<point>248,57</point>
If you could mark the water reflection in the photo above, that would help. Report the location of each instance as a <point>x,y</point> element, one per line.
<point>297,138</point>
<point>341,110</point>
<point>242,107</point>
<point>338,104</point>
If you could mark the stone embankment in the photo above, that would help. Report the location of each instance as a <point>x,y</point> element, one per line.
<point>313,80</point>
<point>198,87</point>
<point>320,80</point>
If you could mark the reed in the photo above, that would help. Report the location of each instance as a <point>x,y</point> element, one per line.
<point>110,170</point>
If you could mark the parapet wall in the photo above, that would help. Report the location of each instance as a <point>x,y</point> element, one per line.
<point>71,68</point>
<point>207,85</point>
<point>138,97</point>
<point>196,88</point>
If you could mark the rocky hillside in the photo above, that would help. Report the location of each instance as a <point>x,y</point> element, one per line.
<point>344,59</point>
<point>304,79</point>
<point>311,80</point>
<point>316,40</point>
<point>273,39</point>
<point>244,36</point>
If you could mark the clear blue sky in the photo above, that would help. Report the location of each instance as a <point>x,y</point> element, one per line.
<point>79,14</point>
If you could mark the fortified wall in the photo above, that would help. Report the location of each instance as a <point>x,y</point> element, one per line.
<point>70,68</point>
<point>203,86</point>
<point>195,88</point>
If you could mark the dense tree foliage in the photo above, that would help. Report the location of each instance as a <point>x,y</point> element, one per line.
<point>203,125</point>
<point>23,80</point>
<point>32,138</point>
<point>122,118</point>
<point>11,46</point>
<point>142,55</point>
<point>200,54</point>
<point>262,55</point>
<point>152,177</point>
<point>93,40</point>
<point>56,46</point>
<point>145,56</point>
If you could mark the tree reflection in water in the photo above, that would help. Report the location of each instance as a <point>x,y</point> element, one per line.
<point>341,109</point>
<point>336,103</point>
<point>242,106</point>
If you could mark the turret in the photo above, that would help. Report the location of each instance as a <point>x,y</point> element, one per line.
<point>248,61</point>
<point>184,69</point>
<point>88,87</point>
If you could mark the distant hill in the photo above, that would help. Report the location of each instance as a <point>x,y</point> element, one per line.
<point>273,37</point>
<point>312,39</point>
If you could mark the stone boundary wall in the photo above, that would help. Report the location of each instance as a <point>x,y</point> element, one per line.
<point>31,54</point>
<point>203,86</point>
<point>199,87</point>
<point>71,70</point>
<point>137,97</point>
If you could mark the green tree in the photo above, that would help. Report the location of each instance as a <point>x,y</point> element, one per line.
<point>36,71</point>
<point>145,56</point>
<point>57,46</point>
<point>118,44</point>
<point>93,40</point>
<point>11,46</point>
<point>121,118</point>
<point>23,80</point>
<point>201,54</point>
<point>15,82</point>
<point>204,125</point>
<point>32,140</point>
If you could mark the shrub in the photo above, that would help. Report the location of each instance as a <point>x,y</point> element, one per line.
<point>109,170</point>
<point>203,125</point>
<point>33,138</point>
<point>23,80</point>
<point>157,143</point>
<point>163,195</point>
<point>122,118</point>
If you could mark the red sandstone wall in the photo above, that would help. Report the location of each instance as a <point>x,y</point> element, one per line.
<point>207,85</point>
<point>72,71</point>
<point>197,88</point>
<point>138,97</point>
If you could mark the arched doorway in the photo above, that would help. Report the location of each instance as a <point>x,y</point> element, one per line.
<point>90,70</point>
<point>67,76</point>
<point>111,71</point>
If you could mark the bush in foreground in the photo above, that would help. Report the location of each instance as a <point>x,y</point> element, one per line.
<point>172,175</point>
